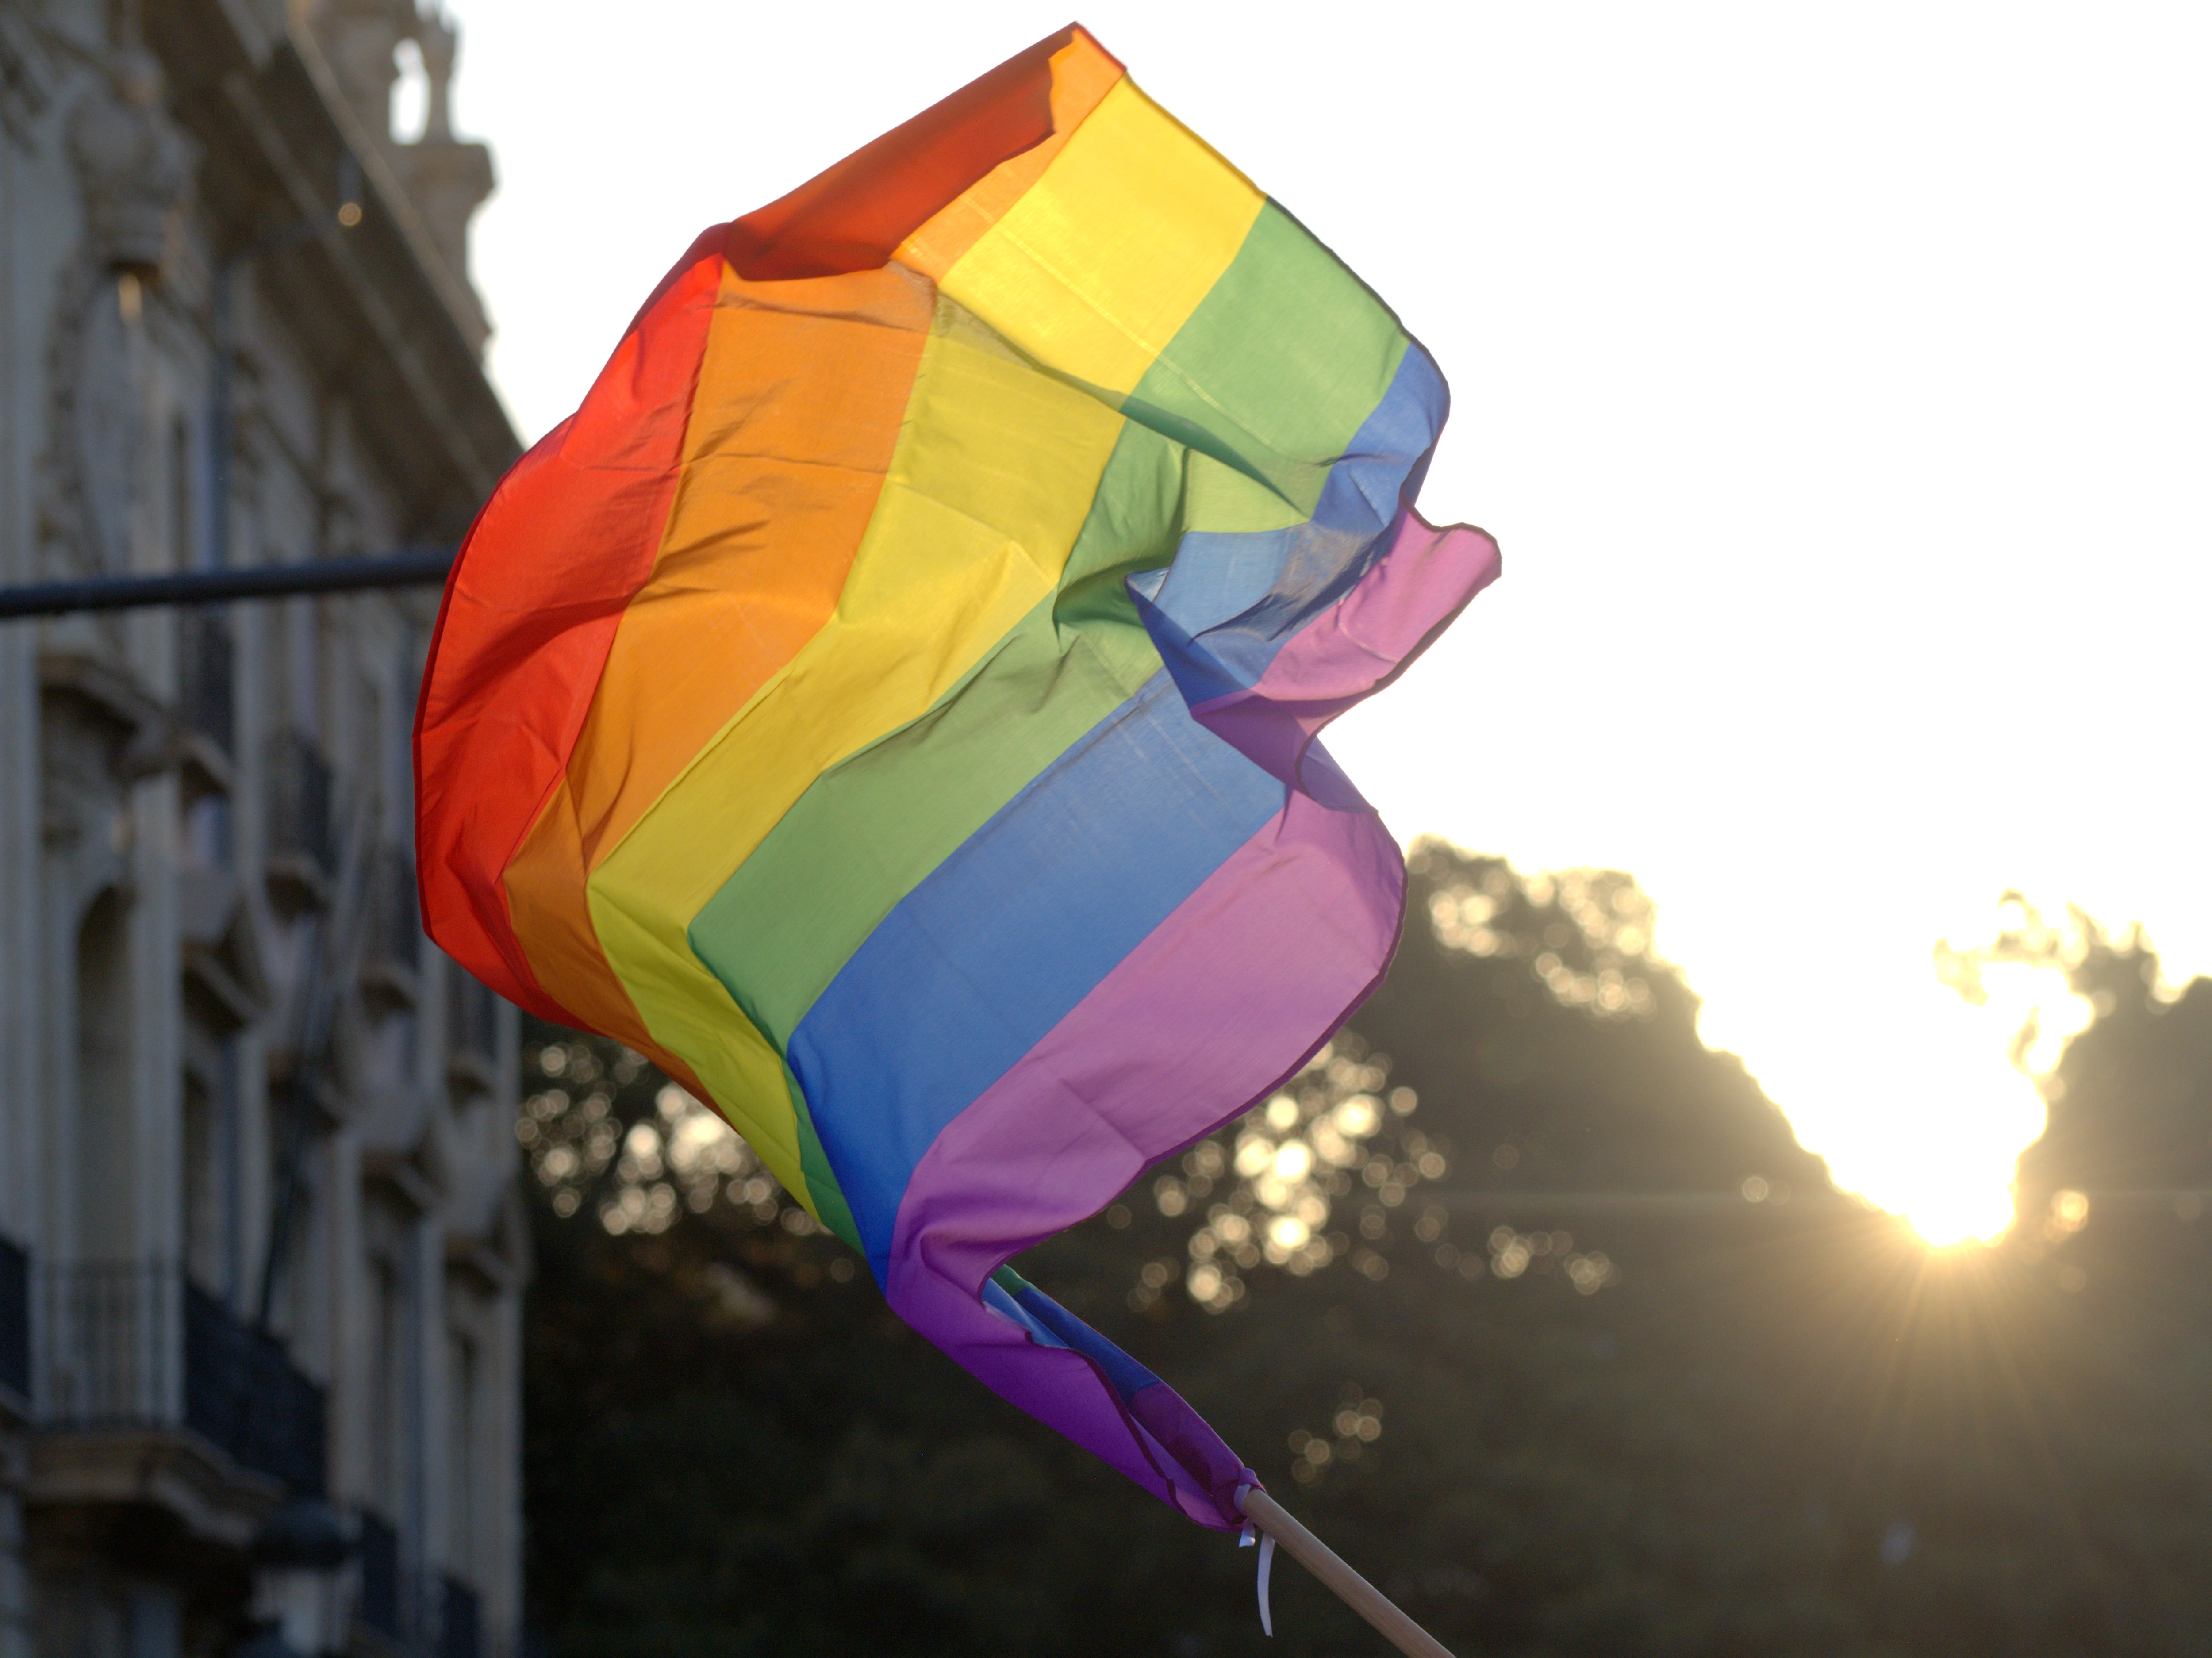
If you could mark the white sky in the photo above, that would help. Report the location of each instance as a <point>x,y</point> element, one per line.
<point>1838,381</point>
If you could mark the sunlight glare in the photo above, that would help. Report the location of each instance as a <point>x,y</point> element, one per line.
<point>1944,1216</point>
<point>1903,1086</point>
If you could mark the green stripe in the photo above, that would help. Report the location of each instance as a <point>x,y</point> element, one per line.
<point>1292,354</point>
<point>814,1168</point>
<point>1277,368</point>
<point>873,826</point>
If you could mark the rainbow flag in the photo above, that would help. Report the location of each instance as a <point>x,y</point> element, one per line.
<point>889,701</point>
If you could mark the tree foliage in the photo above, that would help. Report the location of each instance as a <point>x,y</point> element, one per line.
<point>1525,1298</point>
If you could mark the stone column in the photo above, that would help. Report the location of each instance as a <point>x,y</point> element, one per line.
<point>21,980</point>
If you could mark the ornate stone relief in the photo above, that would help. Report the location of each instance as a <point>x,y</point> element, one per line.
<point>133,166</point>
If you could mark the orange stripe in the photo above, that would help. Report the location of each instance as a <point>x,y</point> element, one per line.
<point>547,868</point>
<point>563,951</point>
<point>799,404</point>
<point>1083,72</point>
<point>800,401</point>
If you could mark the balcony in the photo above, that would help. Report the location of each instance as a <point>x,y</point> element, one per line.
<point>14,1324</point>
<point>243,1392</point>
<point>135,1346</point>
<point>303,853</point>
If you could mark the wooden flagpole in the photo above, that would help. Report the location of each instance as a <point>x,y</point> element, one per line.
<point>1355,1591</point>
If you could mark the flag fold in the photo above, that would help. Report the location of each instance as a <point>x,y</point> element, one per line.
<point>890,702</point>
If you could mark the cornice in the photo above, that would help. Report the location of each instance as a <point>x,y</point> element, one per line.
<point>388,332</point>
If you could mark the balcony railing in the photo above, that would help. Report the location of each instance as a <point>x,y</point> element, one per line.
<point>15,1320</point>
<point>111,1356</point>
<point>244,1393</point>
<point>135,1344</point>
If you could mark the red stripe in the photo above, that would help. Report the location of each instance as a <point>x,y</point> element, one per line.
<point>855,215</point>
<point>530,613</point>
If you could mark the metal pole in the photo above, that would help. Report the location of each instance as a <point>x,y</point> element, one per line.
<point>409,567</point>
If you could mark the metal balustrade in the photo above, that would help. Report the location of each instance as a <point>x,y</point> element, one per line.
<point>136,1344</point>
<point>108,1339</point>
<point>243,1392</point>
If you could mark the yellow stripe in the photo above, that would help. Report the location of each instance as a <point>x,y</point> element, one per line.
<point>1091,271</point>
<point>1100,262</point>
<point>990,483</point>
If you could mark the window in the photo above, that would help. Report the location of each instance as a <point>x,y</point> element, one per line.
<point>184,545</point>
<point>208,1162</point>
<point>203,1201</point>
<point>106,1144</point>
<point>460,1452</point>
<point>388,1380</point>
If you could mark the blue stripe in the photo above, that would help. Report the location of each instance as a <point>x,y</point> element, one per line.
<point>1005,1302</point>
<point>1228,602</point>
<point>1053,1325</point>
<point>976,964</point>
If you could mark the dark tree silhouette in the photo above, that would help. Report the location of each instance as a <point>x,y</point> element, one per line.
<point>1523,1296</point>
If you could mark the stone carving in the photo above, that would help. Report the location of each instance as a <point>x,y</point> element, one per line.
<point>82,742</point>
<point>133,167</point>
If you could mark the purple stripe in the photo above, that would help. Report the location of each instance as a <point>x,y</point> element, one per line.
<point>1354,647</point>
<point>1226,998</point>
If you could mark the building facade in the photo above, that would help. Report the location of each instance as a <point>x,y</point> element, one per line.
<point>261,1247</point>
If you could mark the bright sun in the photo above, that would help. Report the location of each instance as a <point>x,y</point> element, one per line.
<point>1904,1087</point>
<point>1961,1215</point>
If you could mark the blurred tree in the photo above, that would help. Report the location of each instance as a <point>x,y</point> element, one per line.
<point>1531,1301</point>
<point>2130,1101</point>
